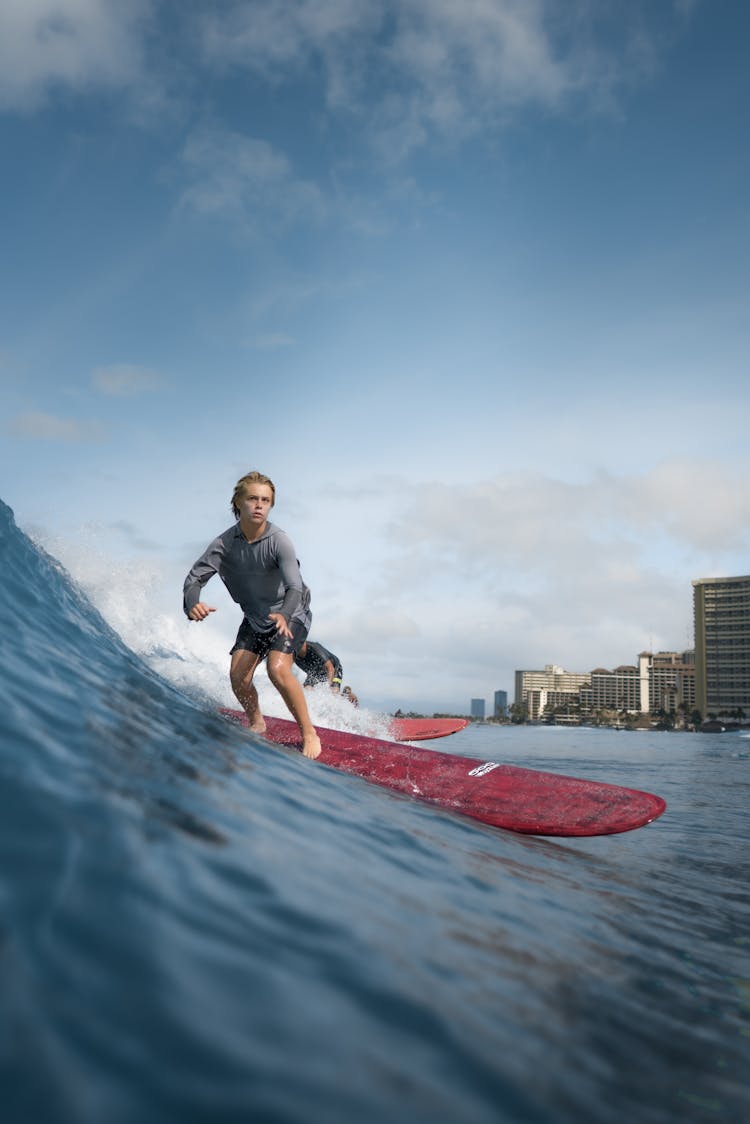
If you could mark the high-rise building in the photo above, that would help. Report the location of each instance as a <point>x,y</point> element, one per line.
<point>500,708</point>
<point>612,690</point>
<point>535,690</point>
<point>722,645</point>
<point>477,708</point>
<point>667,681</point>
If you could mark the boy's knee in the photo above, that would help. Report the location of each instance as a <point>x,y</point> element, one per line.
<point>278,673</point>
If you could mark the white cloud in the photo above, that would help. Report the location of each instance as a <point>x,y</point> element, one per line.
<point>75,43</point>
<point>125,381</point>
<point>499,52</point>
<point>37,426</point>
<point>242,176</point>
<point>403,72</point>
<point>441,68</point>
<point>702,504</point>
<point>501,49</point>
<point>526,569</point>
<point>546,524</point>
<point>268,34</point>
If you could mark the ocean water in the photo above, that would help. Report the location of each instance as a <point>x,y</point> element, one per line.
<point>196,928</point>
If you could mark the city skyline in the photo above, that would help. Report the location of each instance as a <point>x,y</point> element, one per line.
<point>711,678</point>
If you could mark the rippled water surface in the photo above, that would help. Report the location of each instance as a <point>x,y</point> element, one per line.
<point>194,927</point>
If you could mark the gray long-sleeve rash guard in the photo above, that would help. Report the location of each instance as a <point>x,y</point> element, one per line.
<point>262,577</point>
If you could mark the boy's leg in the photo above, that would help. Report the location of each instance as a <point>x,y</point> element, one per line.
<point>279,666</point>
<point>241,671</point>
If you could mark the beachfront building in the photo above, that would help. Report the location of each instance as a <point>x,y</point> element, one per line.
<point>667,682</point>
<point>552,688</point>
<point>477,708</point>
<point>661,681</point>
<point>722,646</point>
<point>618,690</point>
<point>500,709</point>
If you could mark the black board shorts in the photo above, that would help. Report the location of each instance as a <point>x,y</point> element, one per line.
<point>261,643</point>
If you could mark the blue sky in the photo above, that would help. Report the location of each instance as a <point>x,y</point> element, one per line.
<point>468,281</point>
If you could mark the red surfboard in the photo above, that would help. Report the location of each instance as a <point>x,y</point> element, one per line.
<point>506,796</point>
<point>424,729</point>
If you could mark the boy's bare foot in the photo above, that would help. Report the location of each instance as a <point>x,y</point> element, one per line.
<point>258,726</point>
<point>311,745</point>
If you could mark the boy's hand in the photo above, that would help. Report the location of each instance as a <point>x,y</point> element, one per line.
<point>200,611</point>
<point>281,625</point>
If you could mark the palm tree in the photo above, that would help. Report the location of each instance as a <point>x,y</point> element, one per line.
<point>518,713</point>
<point>683,710</point>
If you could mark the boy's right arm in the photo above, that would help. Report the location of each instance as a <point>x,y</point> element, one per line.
<point>201,572</point>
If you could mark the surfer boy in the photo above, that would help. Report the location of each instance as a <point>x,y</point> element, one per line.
<point>258,564</point>
<point>319,665</point>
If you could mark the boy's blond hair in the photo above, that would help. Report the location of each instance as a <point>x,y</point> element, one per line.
<point>244,483</point>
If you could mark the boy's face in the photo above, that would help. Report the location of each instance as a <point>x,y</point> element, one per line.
<point>256,503</point>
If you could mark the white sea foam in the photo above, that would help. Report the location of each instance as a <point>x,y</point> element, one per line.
<point>131,594</point>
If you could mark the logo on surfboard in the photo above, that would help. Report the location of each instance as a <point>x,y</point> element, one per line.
<point>482,770</point>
